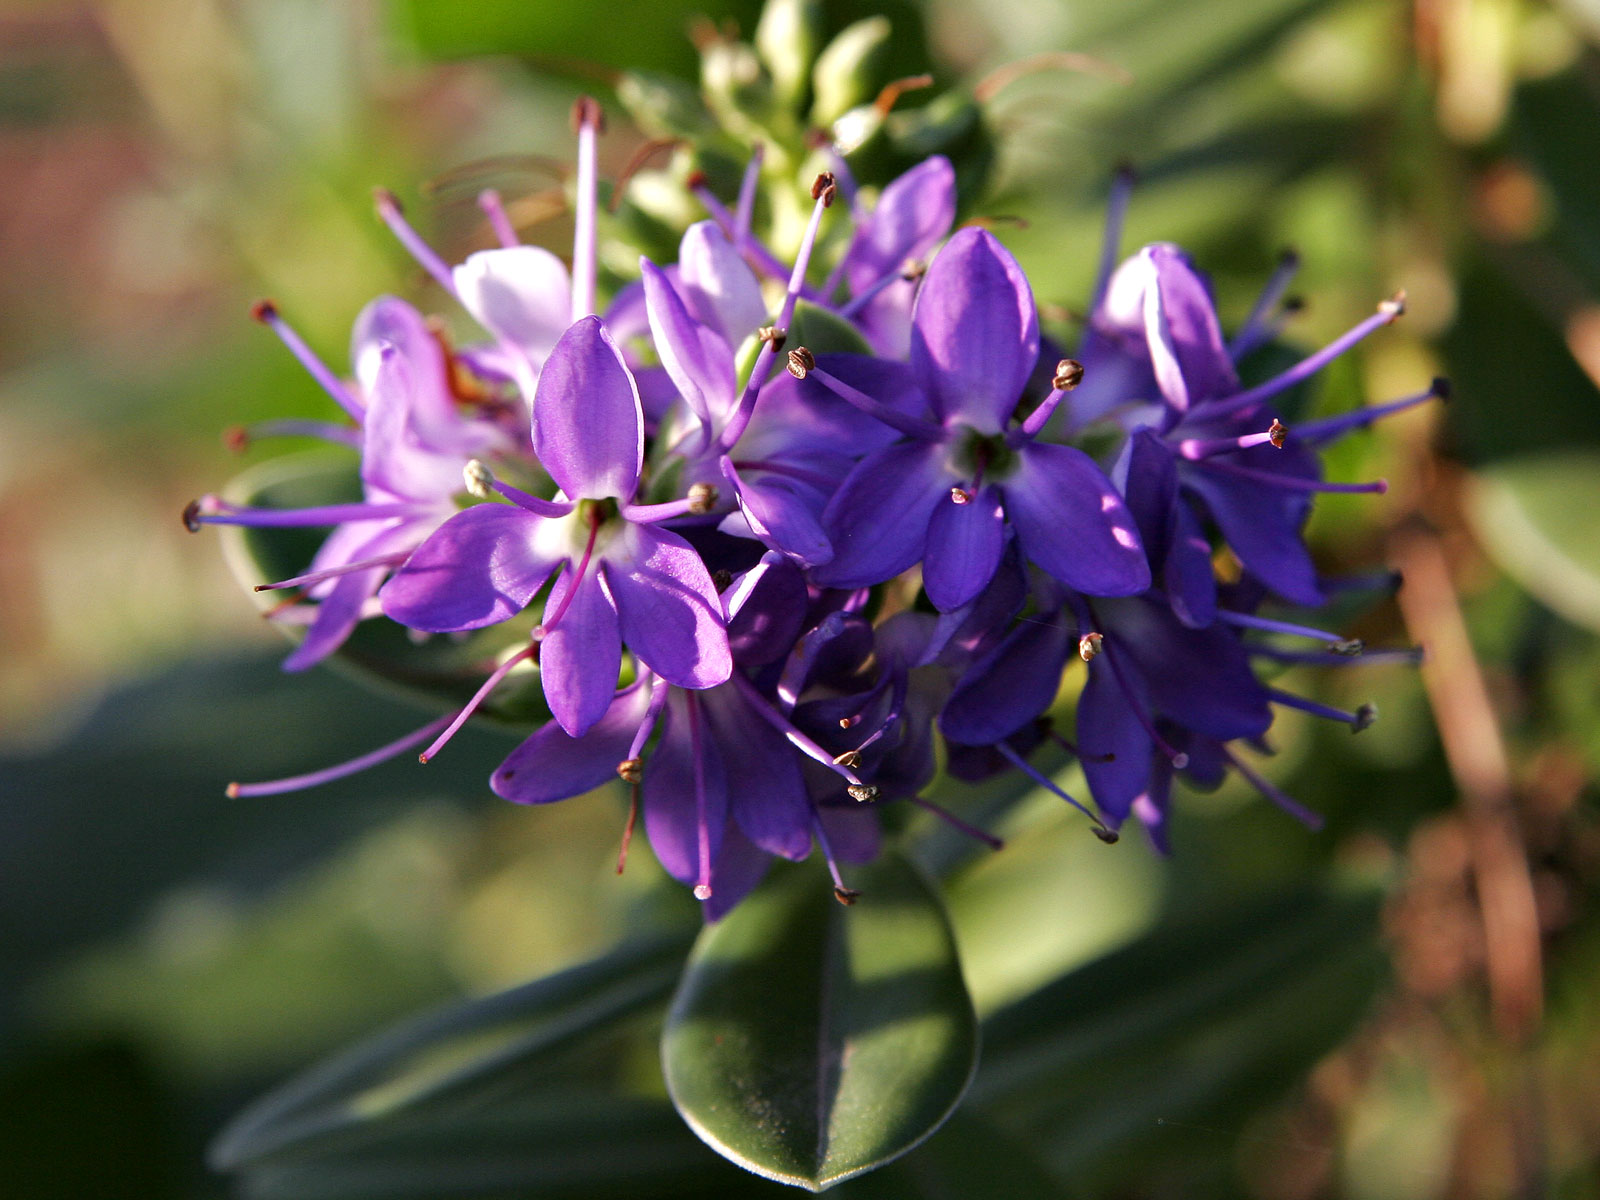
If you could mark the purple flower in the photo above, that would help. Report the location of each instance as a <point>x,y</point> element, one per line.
<point>963,478</point>
<point>621,578</point>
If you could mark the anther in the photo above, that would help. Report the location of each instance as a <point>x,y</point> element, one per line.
<point>959,495</point>
<point>850,758</point>
<point>1394,305</point>
<point>1109,836</point>
<point>702,891</point>
<point>862,793</point>
<point>1278,433</point>
<point>1089,646</point>
<point>1069,374</point>
<point>631,770</point>
<point>801,362</point>
<point>1441,387</point>
<point>586,111</point>
<point>824,188</point>
<point>846,896</point>
<point>236,438</point>
<point>478,478</point>
<point>264,311</point>
<point>771,333</point>
<point>1349,648</point>
<point>696,180</point>
<point>191,516</point>
<point>721,579</point>
<point>913,269</point>
<point>1294,304</point>
<point>387,200</point>
<point>848,722</point>
<point>702,498</point>
<point>1366,715</point>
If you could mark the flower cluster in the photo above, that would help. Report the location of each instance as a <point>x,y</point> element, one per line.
<point>788,525</point>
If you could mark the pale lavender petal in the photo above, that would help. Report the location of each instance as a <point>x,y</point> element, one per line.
<point>338,613</point>
<point>766,792</point>
<point>588,430</point>
<point>963,548</point>
<point>672,803</point>
<point>904,482</point>
<point>913,213</point>
<point>783,514</point>
<point>1187,353</point>
<point>721,290</point>
<point>395,457</point>
<point>522,295</point>
<point>480,567</point>
<point>670,612</point>
<point>581,656</point>
<point>1071,522</point>
<point>388,321</point>
<point>695,357</point>
<point>552,765</point>
<point>975,334</point>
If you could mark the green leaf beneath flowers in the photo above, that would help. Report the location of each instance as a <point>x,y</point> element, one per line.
<point>441,671</point>
<point>1535,516</point>
<point>809,1042</point>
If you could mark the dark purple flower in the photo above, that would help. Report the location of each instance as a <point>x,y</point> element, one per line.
<point>622,579</point>
<point>963,479</point>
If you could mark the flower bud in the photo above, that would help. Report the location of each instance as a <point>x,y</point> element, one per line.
<point>847,70</point>
<point>786,39</point>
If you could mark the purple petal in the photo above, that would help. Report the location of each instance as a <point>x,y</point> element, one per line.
<point>388,321</point>
<point>552,765</point>
<point>1115,750</point>
<point>396,457</point>
<point>1190,581</point>
<point>672,813</point>
<point>766,607</point>
<point>783,514</point>
<point>588,430</point>
<point>913,213</point>
<point>522,295</point>
<point>975,335</point>
<point>338,613</point>
<point>1187,353</point>
<point>1149,479</point>
<point>737,869</point>
<point>854,833</point>
<point>480,567</point>
<point>766,792</point>
<point>905,481</point>
<point>1071,522</point>
<point>963,549</point>
<point>1014,683</point>
<point>721,290</point>
<point>581,656</point>
<point>670,612</point>
<point>695,357</point>
<point>1262,525</point>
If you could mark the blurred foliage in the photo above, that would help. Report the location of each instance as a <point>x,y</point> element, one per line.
<point>1229,1022</point>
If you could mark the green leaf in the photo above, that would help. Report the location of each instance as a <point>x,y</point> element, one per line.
<point>809,1042</point>
<point>440,672</point>
<point>441,1064</point>
<point>1535,516</point>
<point>823,332</point>
<point>1198,1020</point>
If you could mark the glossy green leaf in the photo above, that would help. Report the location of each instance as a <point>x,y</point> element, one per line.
<point>441,1064</point>
<point>1198,1021</point>
<point>823,332</point>
<point>1535,516</point>
<point>440,671</point>
<point>810,1042</point>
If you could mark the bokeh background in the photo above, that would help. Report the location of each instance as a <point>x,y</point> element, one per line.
<point>166,953</point>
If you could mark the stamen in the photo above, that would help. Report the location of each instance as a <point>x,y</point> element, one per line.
<point>771,333</point>
<point>702,498</point>
<point>955,822</point>
<point>478,698</point>
<point>627,828</point>
<point>844,895</point>
<point>1312,821</point>
<point>1195,449</point>
<point>394,217</point>
<point>316,577</point>
<point>1409,657</point>
<point>1103,831</point>
<point>1069,374</point>
<point>1388,313</point>
<point>1298,483</point>
<point>1363,718</point>
<point>209,510</point>
<point>1257,330</point>
<point>1348,648</point>
<point>588,118</point>
<point>1111,240</point>
<point>702,888</point>
<point>546,628</point>
<point>372,758</point>
<point>850,758</point>
<point>960,495</point>
<point>907,272</point>
<point>913,426</point>
<point>266,312</point>
<point>240,437</point>
<point>801,742</point>
<point>499,220</point>
<point>1089,646</point>
<point>826,482</point>
<point>1316,432</point>
<point>749,245</point>
<point>747,191</point>
<point>631,770</point>
<point>478,478</point>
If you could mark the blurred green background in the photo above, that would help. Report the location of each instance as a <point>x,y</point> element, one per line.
<point>165,953</point>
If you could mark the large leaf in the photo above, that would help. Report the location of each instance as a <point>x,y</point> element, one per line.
<point>810,1042</point>
<point>1198,1020</point>
<point>432,1072</point>
<point>1535,516</point>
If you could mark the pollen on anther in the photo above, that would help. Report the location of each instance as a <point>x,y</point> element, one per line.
<point>862,793</point>
<point>1069,374</point>
<point>801,362</point>
<point>821,184</point>
<point>1089,645</point>
<point>771,333</point>
<point>702,498</point>
<point>631,770</point>
<point>191,516</point>
<point>264,311</point>
<point>1366,717</point>
<point>702,891</point>
<point>850,758</point>
<point>960,495</point>
<point>846,896</point>
<point>1278,433</point>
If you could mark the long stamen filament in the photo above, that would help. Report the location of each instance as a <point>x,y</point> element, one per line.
<point>1177,758</point>
<point>799,740</point>
<point>1256,329</point>
<point>844,895</point>
<point>702,887</point>
<point>297,783</point>
<point>499,220</point>
<point>478,698</point>
<point>1103,831</point>
<point>1198,448</point>
<point>1298,483</point>
<point>1289,629</point>
<point>1359,720</point>
<point>588,116</point>
<point>1312,821</point>
<point>266,312</point>
<point>804,367</point>
<point>955,822</point>
<point>316,577</point>
<point>212,511</point>
<point>1331,427</point>
<point>240,436</point>
<point>390,211</point>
